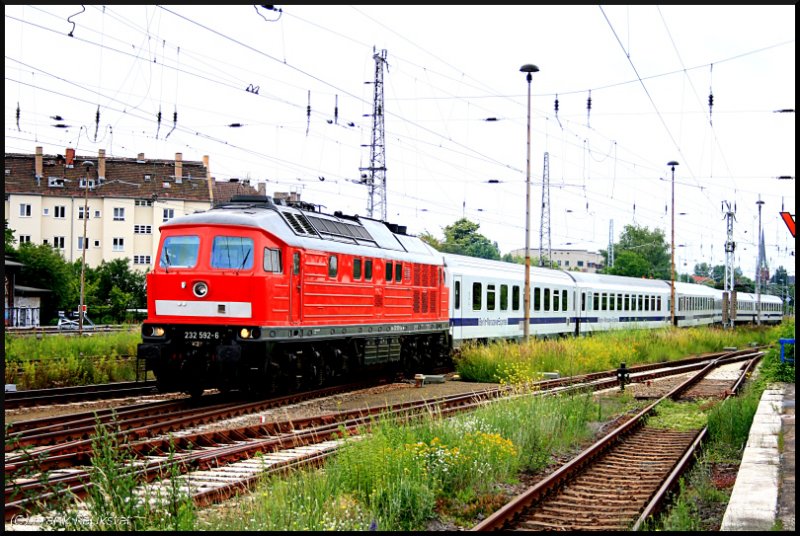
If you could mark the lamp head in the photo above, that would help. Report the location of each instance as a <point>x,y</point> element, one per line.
<point>529,68</point>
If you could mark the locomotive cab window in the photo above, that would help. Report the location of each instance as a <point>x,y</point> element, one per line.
<point>232,252</point>
<point>272,261</point>
<point>368,270</point>
<point>398,272</point>
<point>179,252</point>
<point>389,271</point>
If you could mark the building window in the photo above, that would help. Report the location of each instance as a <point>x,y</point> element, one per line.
<point>97,243</point>
<point>580,264</point>
<point>83,183</point>
<point>81,243</point>
<point>24,239</point>
<point>25,210</point>
<point>141,259</point>
<point>119,214</point>
<point>58,242</point>
<point>144,203</point>
<point>169,213</point>
<point>46,212</point>
<point>60,212</point>
<point>96,213</point>
<point>143,229</point>
<point>81,212</point>
<point>119,244</point>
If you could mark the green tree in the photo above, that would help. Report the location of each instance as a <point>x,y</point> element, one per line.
<point>463,238</point>
<point>44,267</point>
<point>647,245</point>
<point>780,277</point>
<point>629,263</point>
<point>113,287</point>
<point>10,240</point>
<point>703,269</point>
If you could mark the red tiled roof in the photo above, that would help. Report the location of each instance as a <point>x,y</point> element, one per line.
<point>124,177</point>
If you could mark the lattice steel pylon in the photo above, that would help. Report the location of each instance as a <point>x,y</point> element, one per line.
<point>611,244</point>
<point>375,176</point>
<point>544,231</point>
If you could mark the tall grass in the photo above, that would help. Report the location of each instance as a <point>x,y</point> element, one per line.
<point>57,361</point>
<point>510,362</point>
<point>403,474</point>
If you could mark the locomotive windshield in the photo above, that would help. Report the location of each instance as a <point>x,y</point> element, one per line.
<point>179,252</point>
<point>232,252</point>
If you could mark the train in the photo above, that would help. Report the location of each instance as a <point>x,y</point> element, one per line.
<point>266,295</point>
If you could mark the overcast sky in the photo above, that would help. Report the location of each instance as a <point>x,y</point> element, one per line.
<point>649,71</point>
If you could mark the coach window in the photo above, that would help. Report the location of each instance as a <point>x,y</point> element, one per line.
<point>457,293</point>
<point>398,272</point>
<point>627,302</point>
<point>556,301</point>
<point>296,263</point>
<point>547,299</point>
<point>596,302</point>
<point>604,302</point>
<point>333,266</point>
<point>515,297</point>
<point>611,302</point>
<point>476,296</point>
<point>356,269</point>
<point>389,270</point>
<point>647,303</point>
<point>640,308</point>
<point>490,296</point>
<point>537,299</point>
<point>368,270</point>
<point>583,301</point>
<point>504,297</point>
<point>619,302</point>
<point>232,252</point>
<point>564,305</point>
<point>652,303</point>
<point>272,261</point>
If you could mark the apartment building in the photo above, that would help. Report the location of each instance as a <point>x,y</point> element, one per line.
<point>580,260</point>
<point>110,207</point>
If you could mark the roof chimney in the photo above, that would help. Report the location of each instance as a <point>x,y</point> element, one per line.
<point>70,154</point>
<point>38,163</point>
<point>140,157</point>
<point>101,164</point>
<point>178,168</point>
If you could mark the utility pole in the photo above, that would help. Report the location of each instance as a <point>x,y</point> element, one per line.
<point>375,176</point>
<point>544,231</point>
<point>760,262</point>
<point>730,247</point>
<point>89,165</point>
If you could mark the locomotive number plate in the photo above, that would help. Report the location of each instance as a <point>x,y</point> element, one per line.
<point>201,335</point>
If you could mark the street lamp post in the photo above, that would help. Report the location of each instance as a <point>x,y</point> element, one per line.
<point>759,262</point>
<point>672,164</point>
<point>89,165</point>
<point>528,68</point>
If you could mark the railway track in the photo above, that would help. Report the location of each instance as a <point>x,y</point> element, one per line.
<point>217,464</point>
<point>624,478</point>
<point>62,395</point>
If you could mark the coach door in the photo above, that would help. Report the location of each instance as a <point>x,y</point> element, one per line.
<point>457,317</point>
<point>296,289</point>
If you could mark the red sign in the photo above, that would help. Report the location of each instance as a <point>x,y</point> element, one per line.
<point>84,308</point>
<point>789,219</point>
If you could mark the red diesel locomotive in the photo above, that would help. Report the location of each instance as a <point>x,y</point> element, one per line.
<point>261,295</point>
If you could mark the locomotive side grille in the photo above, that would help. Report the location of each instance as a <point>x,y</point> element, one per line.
<point>416,301</point>
<point>417,269</point>
<point>424,281</point>
<point>425,301</point>
<point>378,300</point>
<point>433,303</point>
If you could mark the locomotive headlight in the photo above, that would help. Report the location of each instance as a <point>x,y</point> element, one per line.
<point>200,289</point>
<point>157,331</point>
<point>244,333</point>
